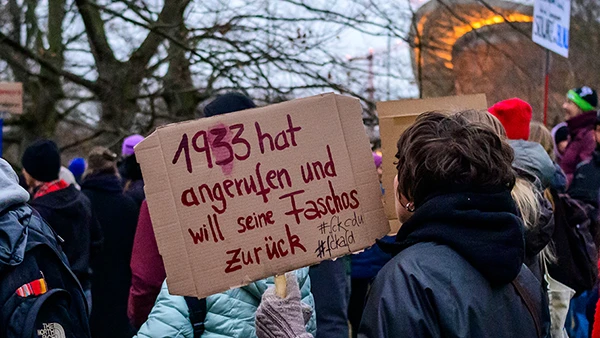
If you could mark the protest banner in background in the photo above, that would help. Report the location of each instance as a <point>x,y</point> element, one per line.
<point>551,22</point>
<point>239,197</point>
<point>394,118</point>
<point>11,97</point>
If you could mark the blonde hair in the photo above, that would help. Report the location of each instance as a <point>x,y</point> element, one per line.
<point>485,118</point>
<point>540,134</point>
<point>526,198</point>
<point>524,195</point>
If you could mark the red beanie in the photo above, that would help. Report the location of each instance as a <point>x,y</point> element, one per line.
<point>515,116</point>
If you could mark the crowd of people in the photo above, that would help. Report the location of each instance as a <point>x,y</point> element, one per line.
<point>499,238</point>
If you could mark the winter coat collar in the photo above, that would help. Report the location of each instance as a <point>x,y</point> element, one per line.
<point>582,122</point>
<point>484,228</point>
<point>103,182</point>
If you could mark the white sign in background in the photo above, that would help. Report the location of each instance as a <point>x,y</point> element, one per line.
<point>551,21</point>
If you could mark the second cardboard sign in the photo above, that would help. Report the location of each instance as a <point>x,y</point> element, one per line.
<point>394,118</point>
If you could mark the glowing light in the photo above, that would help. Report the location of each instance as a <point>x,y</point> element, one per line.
<point>449,37</point>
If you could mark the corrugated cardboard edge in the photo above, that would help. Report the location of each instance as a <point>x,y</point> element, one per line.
<point>181,281</point>
<point>363,174</point>
<point>394,121</point>
<point>160,197</point>
<point>363,167</point>
<point>392,126</point>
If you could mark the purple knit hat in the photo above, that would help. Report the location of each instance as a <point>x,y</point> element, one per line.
<point>129,142</point>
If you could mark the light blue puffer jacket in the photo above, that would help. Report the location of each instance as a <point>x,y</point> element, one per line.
<point>229,314</point>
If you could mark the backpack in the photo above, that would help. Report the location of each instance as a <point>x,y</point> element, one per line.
<point>40,297</point>
<point>574,247</point>
<point>528,288</point>
<point>197,310</point>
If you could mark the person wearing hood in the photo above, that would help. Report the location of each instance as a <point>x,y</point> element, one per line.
<point>540,134</point>
<point>30,256</point>
<point>65,208</point>
<point>130,171</point>
<point>458,266</point>
<point>515,115</point>
<point>580,112</point>
<point>535,170</point>
<point>117,215</point>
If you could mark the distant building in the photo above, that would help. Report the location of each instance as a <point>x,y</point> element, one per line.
<point>470,46</point>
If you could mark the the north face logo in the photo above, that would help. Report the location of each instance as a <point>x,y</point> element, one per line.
<point>52,330</point>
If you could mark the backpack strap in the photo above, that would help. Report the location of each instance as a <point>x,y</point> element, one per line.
<point>532,302</point>
<point>197,309</point>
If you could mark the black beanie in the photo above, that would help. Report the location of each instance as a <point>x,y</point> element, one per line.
<point>228,103</point>
<point>41,160</point>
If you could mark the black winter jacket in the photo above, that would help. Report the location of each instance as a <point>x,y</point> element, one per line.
<point>586,180</point>
<point>451,276</point>
<point>69,213</point>
<point>132,180</point>
<point>117,215</point>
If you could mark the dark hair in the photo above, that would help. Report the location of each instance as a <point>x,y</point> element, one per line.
<point>444,154</point>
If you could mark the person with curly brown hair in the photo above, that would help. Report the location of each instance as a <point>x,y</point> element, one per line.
<point>458,267</point>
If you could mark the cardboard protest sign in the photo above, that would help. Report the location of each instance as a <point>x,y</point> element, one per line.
<point>239,197</point>
<point>394,118</point>
<point>11,97</point>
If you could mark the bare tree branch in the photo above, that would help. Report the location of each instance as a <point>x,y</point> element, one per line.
<point>17,48</point>
<point>94,28</point>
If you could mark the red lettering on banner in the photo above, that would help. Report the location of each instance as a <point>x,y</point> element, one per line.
<point>219,142</point>
<point>273,248</point>
<point>205,230</point>
<point>255,221</point>
<point>316,170</point>
<point>331,204</point>
<point>283,140</point>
